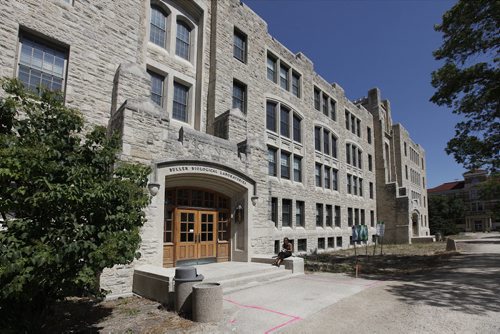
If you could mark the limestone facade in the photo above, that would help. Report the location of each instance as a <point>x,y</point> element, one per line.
<point>220,116</point>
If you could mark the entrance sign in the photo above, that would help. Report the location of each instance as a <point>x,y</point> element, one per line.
<point>182,169</point>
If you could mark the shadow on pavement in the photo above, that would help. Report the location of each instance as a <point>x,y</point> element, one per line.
<point>467,283</point>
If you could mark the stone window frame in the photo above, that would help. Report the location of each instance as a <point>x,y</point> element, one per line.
<point>163,78</point>
<point>289,213</point>
<point>329,215</point>
<point>166,17</point>
<point>292,112</point>
<point>238,34</point>
<point>333,140</point>
<point>337,241</point>
<point>302,245</point>
<point>288,81</point>
<point>330,242</point>
<point>300,220</point>
<point>279,152</point>
<point>182,22</point>
<point>189,98</point>
<point>320,213</point>
<point>324,103</point>
<point>354,154</point>
<point>273,203</point>
<point>44,44</point>
<point>352,123</point>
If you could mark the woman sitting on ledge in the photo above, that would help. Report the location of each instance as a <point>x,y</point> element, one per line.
<point>285,252</point>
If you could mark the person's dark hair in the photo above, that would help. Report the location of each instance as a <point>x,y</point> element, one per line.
<point>286,238</point>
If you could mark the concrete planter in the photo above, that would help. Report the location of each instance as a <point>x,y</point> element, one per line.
<point>207,302</point>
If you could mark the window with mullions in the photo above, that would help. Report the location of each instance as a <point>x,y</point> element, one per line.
<point>349,216</point>
<point>324,103</point>
<point>285,165</point>
<point>335,179</point>
<point>157,88</point>
<point>317,138</point>
<point>326,142</point>
<point>180,103</point>
<point>321,243</point>
<point>239,96</point>
<point>285,121</point>
<point>299,213</point>
<point>329,215</point>
<point>182,40</point>
<point>334,146</point>
<point>296,128</point>
<point>240,46</point>
<point>327,182</point>
<point>274,210</point>
<point>271,68</point>
<point>317,99</point>
<point>41,65</point>
<point>158,27</point>
<point>271,116</point>
<point>337,216</point>
<point>318,174</point>
<point>284,77</point>
<point>286,212</point>
<point>297,168</point>
<point>296,84</point>
<point>319,214</point>
<point>349,183</point>
<point>333,109</point>
<point>271,158</point>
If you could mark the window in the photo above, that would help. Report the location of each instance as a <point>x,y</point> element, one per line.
<point>302,245</point>
<point>335,179</point>
<point>371,190</point>
<point>372,218</point>
<point>370,166</point>
<point>349,216</point>
<point>239,96</point>
<point>158,27</point>
<point>330,242</point>
<point>157,89</point>
<point>284,77</point>
<point>326,142</point>
<point>355,185</point>
<point>353,124</point>
<point>321,243</point>
<point>285,165</point>
<point>299,213</point>
<point>334,146</point>
<point>285,122</point>
<point>274,210</point>
<point>362,216</point>
<point>297,168</point>
<point>296,84</point>
<point>277,247</point>
<point>318,176</point>
<point>361,187</point>
<point>356,216</point>
<point>327,183</point>
<point>347,120</point>
<point>406,153</point>
<point>360,159</point>
<point>286,212</point>
<point>339,242</point>
<point>319,214</point>
<point>333,110</point>
<point>329,215</point>
<point>324,103</point>
<point>348,153</point>
<point>349,183</point>
<point>180,102</point>
<point>182,40</point>
<point>41,65</point>
<point>317,99</point>
<point>240,46</point>
<point>354,156</point>
<point>406,172</point>
<point>358,128</point>
<point>369,134</point>
<point>271,68</point>
<point>337,216</point>
<point>271,157</point>
<point>317,138</point>
<point>271,116</point>
<point>296,128</point>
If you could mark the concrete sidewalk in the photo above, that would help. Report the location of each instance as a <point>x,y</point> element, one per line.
<point>272,307</point>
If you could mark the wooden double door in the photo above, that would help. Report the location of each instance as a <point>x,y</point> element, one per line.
<point>196,234</point>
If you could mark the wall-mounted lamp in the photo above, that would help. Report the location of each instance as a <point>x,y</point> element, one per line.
<point>153,188</point>
<point>255,199</point>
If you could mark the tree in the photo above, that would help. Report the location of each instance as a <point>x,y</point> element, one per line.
<point>444,213</point>
<point>70,209</point>
<point>469,80</point>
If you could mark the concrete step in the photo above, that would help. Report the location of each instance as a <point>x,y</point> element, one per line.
<point>255,279</point>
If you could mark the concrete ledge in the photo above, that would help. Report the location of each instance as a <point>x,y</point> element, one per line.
<point>151,284</point>
<point>423,240</point>
<point>293,263</point>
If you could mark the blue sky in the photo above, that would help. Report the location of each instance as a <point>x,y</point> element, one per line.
<point>387,44</point>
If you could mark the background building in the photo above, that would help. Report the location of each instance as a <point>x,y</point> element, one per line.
<point>478,212</point>
<point>247,142</point>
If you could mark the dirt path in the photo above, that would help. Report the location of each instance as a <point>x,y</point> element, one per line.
<point>461,296</point>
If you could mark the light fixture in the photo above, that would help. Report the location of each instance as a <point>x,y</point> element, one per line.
<point>255,199</point>
<point>153,188</point>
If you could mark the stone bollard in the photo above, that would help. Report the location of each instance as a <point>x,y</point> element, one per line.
<point>185,278</point>
<point>207,302</point>
<point>451,245</point>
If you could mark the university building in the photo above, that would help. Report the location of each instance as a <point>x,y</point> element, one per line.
<point>248,144</point>
<point>478,211</point>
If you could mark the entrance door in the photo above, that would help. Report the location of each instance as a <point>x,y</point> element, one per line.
<point>195,235</point>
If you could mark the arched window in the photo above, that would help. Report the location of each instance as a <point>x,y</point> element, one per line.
<point>158,26</point>
<point>182,40</point>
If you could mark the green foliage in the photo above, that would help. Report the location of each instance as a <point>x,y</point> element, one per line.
<point>444,213</point>
<point>469,80</point>
<point>71,208</point>
<point>490,193</point>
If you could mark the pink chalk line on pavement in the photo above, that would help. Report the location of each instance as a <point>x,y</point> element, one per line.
<point>260,308</point>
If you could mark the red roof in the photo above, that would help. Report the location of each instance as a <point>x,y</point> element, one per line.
<point>447,187</point>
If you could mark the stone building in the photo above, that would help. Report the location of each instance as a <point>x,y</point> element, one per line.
<point>247,142</point>
<point>478,212</point>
